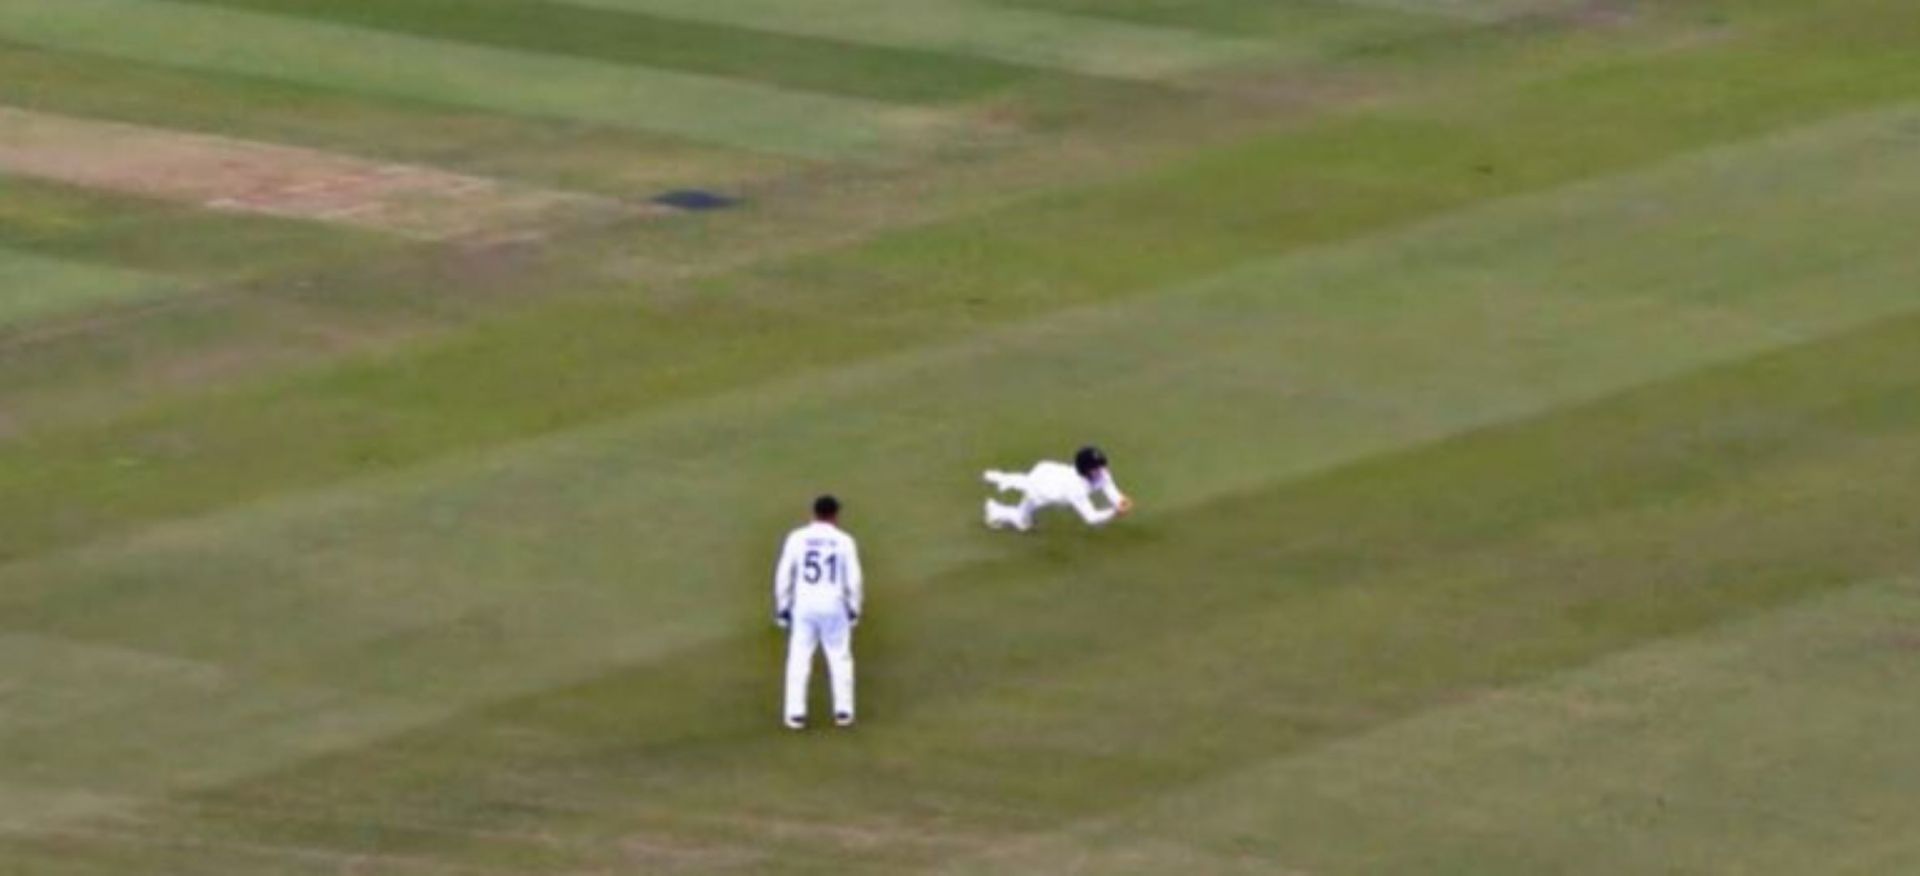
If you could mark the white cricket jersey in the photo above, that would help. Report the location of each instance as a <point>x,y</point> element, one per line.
<point>819,572</point>
<point>1057,483</point>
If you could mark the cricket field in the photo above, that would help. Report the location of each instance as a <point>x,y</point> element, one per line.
<point>402,401</point>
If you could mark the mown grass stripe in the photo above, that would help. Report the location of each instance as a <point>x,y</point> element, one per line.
<point>1329,23</point>
<point>1700,749</point>
<point>789,61</point>
<point>702,107</point>
<point>34,287</point>
<point>1469,10</point>
<point>1086,45</point>
<point>555,152</point>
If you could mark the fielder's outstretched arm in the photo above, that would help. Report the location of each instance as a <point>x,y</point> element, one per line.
<point>1093,516</point>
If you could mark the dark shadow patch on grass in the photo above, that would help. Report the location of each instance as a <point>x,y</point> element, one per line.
<point>696,200</point>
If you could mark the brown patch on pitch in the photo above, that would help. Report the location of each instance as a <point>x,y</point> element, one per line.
<point>222,173</point>
<point>1604,13</point>
<point>657,854</point>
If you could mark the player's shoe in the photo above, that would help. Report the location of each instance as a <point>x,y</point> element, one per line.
<point>796,722</point>
<point>843,719</point>
<point>995,479</point>
<point>994,521</point>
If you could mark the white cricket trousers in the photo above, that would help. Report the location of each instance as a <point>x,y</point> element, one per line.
<point>1017,516</point>
<point>828,630</point>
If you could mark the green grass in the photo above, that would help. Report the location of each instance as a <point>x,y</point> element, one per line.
<point>1700,753</point>
<point>1327,24</point>
<point>1472,10</point>
<point>1362,349</point>
<point>86,225</point>
<point>975,28</point>
<point>1329,606</point>
<point>351,59</point>
<point>1081,246</point>
<point>1521,441</point>
<point>558,153</point>
<point>37,287</point>
<point>793,62</point>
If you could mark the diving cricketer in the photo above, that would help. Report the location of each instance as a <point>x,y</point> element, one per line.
<point>1050,484</point>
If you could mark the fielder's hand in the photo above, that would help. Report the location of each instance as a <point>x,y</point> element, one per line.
<point>1125,506</point>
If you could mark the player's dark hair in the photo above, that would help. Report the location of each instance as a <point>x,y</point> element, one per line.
<point>826,508</point>
<point>1088,460</point>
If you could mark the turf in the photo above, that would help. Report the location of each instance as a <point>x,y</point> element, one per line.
<point>557,153</point>
<point>975,28</point>
<point>1327,25</point>
<point>351,59</point>
<point>1059,250</point>
<point>84,225</point>
<point>787,61</point>
<point>1521,428</point>
<point>1648,750</point>
<point>37,286</point>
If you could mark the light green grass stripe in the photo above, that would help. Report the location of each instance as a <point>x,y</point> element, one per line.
<point>1470,10</point>
<point>81,684</point>
<point>706,108</point>
<point>525,560</point>
<point>34,287</point>
<point>1778,745</point>
<point>1042,39</point>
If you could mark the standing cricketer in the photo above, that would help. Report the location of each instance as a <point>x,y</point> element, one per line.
<point>1056,483</point>
<point>816,596</point>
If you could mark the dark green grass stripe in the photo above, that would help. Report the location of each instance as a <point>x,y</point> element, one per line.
<point>561,154</point>
<point>1328,22</point>
<point>1106,669</point>
<point>790,61</point>
<point>746,114</point>
<point>156,236</point>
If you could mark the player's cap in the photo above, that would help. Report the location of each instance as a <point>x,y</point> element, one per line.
<point>826,507</point>
<point>1088,460</point>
